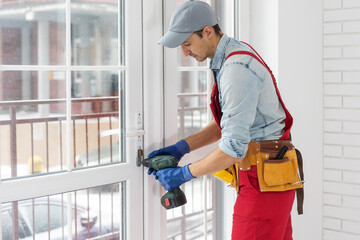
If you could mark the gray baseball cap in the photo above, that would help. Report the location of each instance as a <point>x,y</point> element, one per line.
<point>189,17</point>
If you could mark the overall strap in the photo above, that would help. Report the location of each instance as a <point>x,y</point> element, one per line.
<point>288,124</point>
<point>215,103</point>
<point>288,119</point>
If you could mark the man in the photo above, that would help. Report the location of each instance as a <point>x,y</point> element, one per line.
<point>246,109</point>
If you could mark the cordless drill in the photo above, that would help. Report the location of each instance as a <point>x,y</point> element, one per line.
<point>173,198</point>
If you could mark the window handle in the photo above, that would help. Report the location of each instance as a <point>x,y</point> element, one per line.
<point>138,133</point>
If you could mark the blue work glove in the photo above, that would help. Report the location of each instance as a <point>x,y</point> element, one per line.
<point>177,150</point>
<point>172,178</point>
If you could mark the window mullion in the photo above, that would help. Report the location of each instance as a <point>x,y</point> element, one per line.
<point>68,107</point>
<point>68,84</point>
<point>236,20</point>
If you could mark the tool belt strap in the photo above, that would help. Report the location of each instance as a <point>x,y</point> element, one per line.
<point>271,146</point>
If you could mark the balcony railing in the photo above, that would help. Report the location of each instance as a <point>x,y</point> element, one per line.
<point>13,122</point>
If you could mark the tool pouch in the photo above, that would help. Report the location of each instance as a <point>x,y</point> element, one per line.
<point>281,174</point>
<point>278,174</point>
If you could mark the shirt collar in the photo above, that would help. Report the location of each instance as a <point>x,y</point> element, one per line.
<point>215,63</point>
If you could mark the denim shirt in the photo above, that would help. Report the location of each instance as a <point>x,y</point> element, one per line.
<point>247,96</point>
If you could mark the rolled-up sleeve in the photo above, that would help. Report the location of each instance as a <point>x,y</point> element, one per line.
<point>239,88</point>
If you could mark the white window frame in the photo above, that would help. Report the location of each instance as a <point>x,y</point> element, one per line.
<point>72,180</point>
<point>154,213</point>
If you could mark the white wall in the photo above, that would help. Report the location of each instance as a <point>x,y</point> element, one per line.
<point>341,119</point>
<point>263,31</point>
<point>300,76</point>
<point>288,35</point>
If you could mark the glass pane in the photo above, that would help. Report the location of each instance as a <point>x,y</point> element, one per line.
<point>96,104</point>
<point>32,85</point>
<point>210,227</point>
<point>6,221</point>
<point>195,224</point>
<point>192,102</point>
<point>188,220</point>
<point>173,230</point>
<point>194,194</point>
<point>96,32</point>
<point>95,212</point>
<point>100,212</point>
<point>39,218</point>
<point>32,33</point>
<point>32,122</point>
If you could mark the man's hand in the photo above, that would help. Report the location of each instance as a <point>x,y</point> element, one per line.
<point>172,178</point>
<point>178,150</point>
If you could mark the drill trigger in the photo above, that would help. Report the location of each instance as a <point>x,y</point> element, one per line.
<point>167,203</point>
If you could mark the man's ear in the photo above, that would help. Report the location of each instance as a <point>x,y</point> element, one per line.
<point>208,31</point>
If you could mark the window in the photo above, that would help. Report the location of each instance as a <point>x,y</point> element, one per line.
<point>70,72</point>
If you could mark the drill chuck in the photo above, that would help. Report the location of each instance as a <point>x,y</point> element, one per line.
<point>160,162</point>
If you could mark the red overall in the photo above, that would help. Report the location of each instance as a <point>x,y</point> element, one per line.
<point>258,215</point>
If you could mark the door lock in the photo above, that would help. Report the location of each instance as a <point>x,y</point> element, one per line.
<point>139,142</point>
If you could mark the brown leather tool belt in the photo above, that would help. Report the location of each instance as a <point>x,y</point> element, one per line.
<point>275,174</point>
<point>271,147</point>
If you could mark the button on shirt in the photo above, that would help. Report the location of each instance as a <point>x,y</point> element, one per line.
<point>248,100</point>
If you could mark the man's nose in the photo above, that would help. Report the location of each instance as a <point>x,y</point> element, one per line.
<point>185,51</point>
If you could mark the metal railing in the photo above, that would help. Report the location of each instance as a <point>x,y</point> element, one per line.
<point>13,122</point>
